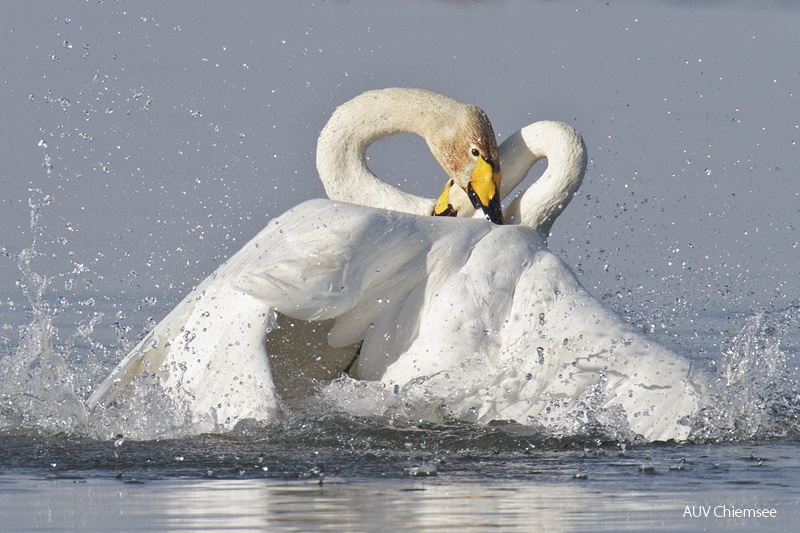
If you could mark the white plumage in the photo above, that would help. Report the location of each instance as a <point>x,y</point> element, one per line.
<point>481,318</point>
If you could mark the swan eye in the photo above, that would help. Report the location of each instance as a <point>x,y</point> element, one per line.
<point>476,152</point>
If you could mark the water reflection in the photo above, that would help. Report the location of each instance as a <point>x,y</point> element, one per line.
<point>392,505</point>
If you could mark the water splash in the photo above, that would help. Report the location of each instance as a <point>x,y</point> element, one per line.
<point>450,398</point>
<point>758,388</point>
<point>38,388</point>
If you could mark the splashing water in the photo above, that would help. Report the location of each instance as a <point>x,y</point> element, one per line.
<point>758,393</point>
<point>38,389</point>
<point>44,382</point>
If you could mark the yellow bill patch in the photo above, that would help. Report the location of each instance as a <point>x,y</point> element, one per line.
<point>484,181</point>
<point>443,207</point>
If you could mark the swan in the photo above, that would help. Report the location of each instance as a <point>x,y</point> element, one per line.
<point>506,331</point>
<point>482,318</point>
<point>207,358</point>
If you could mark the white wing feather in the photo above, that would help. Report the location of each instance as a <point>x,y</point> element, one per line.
<point>483,316</point>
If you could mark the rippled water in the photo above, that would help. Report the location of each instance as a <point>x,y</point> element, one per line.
<point>342,474</point>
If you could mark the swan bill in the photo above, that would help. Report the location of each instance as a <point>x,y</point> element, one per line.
<point>443,207</point>
<point>493,211</point>
<point>484,190</point>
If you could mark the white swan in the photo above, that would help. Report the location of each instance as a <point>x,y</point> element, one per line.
<point>207,357</point>
<point>506,331</point>
<point>480,317</point>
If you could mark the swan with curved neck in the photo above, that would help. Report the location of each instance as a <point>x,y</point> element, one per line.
<point>505,331</point>
<point>480,315</point>
<point>459,135</point>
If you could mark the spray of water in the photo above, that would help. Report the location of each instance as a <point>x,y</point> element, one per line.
<point>758,385</point>
<point>38,390</point>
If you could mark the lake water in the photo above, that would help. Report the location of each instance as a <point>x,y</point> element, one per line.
<point>340,475</point>
<point>142,143</point>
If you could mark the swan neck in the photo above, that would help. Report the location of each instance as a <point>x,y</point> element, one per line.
<point>562,146</point>
<point>343,142</point>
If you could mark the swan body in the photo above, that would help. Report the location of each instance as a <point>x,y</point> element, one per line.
<point>479,317</point>
<point>511,334</point>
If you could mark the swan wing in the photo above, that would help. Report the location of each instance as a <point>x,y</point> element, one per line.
<point>206,359</point>
<point>577,362</point>
<point>528,343</point>
<point>324,270</point>
<point>361,269</point>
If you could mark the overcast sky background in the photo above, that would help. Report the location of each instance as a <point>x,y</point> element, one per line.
<point>174,130</point>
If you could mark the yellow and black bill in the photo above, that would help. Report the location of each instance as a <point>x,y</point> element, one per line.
<point>443,207</point>
<point>484,191</point>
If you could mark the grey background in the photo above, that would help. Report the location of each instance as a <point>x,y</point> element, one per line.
<point>163,135</point>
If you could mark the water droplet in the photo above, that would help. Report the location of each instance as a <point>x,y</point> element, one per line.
<point>540,353</point>
<point>529,376</point>
<point>119,440</point>
<point>541,319</point>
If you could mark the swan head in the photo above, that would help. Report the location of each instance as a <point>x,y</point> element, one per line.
<point>467,150</point>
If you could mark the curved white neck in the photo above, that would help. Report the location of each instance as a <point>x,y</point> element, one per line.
<point>343,142</point>
<point>539,206</point>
